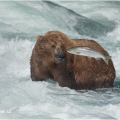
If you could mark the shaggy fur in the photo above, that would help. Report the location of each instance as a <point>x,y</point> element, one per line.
<point>50,60</point>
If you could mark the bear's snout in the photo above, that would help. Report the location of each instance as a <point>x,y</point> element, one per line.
<point>62,56</point>
<point>59,58</point>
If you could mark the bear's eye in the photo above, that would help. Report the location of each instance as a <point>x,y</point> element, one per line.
<point>53,46</point>
<point>62,46</point>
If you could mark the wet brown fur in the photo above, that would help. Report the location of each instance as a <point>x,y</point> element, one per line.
<point>77,72</point>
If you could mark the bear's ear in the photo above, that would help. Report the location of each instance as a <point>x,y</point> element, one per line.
<point>39,37</point>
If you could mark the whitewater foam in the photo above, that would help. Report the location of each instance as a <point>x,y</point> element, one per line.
<point>47,100</point>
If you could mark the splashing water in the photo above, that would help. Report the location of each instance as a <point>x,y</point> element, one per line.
<point>20,23</point>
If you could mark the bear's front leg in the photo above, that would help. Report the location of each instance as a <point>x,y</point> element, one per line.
<point>61,77</point>
<point>34,77</point>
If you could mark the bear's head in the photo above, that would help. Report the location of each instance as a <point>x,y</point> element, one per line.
<point>51,48</point>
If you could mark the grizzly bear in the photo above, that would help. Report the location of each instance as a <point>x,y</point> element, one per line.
<point>50,60</point>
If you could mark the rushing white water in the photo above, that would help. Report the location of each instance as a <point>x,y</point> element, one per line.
<point>20,22</point>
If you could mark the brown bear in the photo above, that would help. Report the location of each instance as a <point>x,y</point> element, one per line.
<point>50,60</point>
